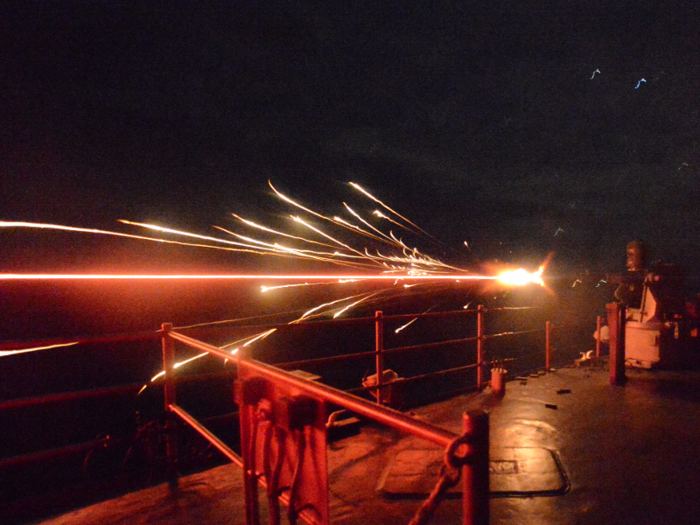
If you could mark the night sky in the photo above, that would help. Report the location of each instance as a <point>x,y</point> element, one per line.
<point>522,127</point>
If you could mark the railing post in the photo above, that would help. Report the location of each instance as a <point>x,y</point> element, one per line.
<point>480,347</point>
<point>476,490</point>
<point>169,394</point>
<point>616,325</point>
<point>548,346</point>
<point>379,348</point>
<point>597,339</point>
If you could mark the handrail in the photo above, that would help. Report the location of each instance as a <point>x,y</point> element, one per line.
<point>220,445</point>
<point>381,414</point>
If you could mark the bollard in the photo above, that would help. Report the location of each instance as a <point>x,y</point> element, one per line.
<point>498,381</point>
<point>616,325</point>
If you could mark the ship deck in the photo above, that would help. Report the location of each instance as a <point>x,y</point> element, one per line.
<point>566,448</point>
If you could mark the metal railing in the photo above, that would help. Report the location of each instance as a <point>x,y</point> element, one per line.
<point>321,393</point>
<point>295,407</point>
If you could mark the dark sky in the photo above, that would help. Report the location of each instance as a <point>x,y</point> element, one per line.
<point>498,122</point>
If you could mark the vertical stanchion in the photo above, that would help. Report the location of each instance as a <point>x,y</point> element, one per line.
<point>169,390</point>
<point>480,347</point>
<point>597,339</point>
<point>379,348</point>
<point>616,325</point>
<point>475,474</point>
<point>548,346</point>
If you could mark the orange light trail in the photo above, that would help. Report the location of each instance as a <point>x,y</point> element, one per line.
<point>279,277</point>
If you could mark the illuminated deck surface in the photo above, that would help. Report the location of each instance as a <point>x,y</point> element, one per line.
<point>566,448</point>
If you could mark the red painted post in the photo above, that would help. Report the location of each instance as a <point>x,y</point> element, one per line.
<point>480,347</point>
<point>169,390</point>
<point>247,398</point>
<point>476,489</point>
<point>548,346</point>
<point>379,348</point>
<point>616,325</point>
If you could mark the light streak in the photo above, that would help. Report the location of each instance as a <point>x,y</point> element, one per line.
<point>241,277</point>
<point>5,353</point>
<point>59,227</point>
<point>177,365</point>
<point>260,336</point>
<point>368,194</point>
<point>382,216</point>
<point>405,325</point>
<point>308,313</point>
<point>270,230</point>
<point>640,83</point>
<point>594,73</point>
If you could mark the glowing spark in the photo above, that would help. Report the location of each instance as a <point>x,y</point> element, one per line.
<point>317,308</point>
<point>265,289</point>
<point>269,230</point>
<point>185,234</point>
<point>467,245</point>
<point>640,83</point>
<point>356,228</point>
<point>303,222</point>
<point>297,205</point>
<point>357,216</point>
<point>577,281</point>
<point>5,353</point>
<point>343,310</point>
<point>178,365</point>
<point>382,216</point>
<point>404,326</point>
<point>44,226</point>
<point>559,230</point>
<point>594,73</point>
<point>368,194</point>
<point>260,336</point>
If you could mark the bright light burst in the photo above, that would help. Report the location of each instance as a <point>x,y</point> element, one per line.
<point>521,277</point>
